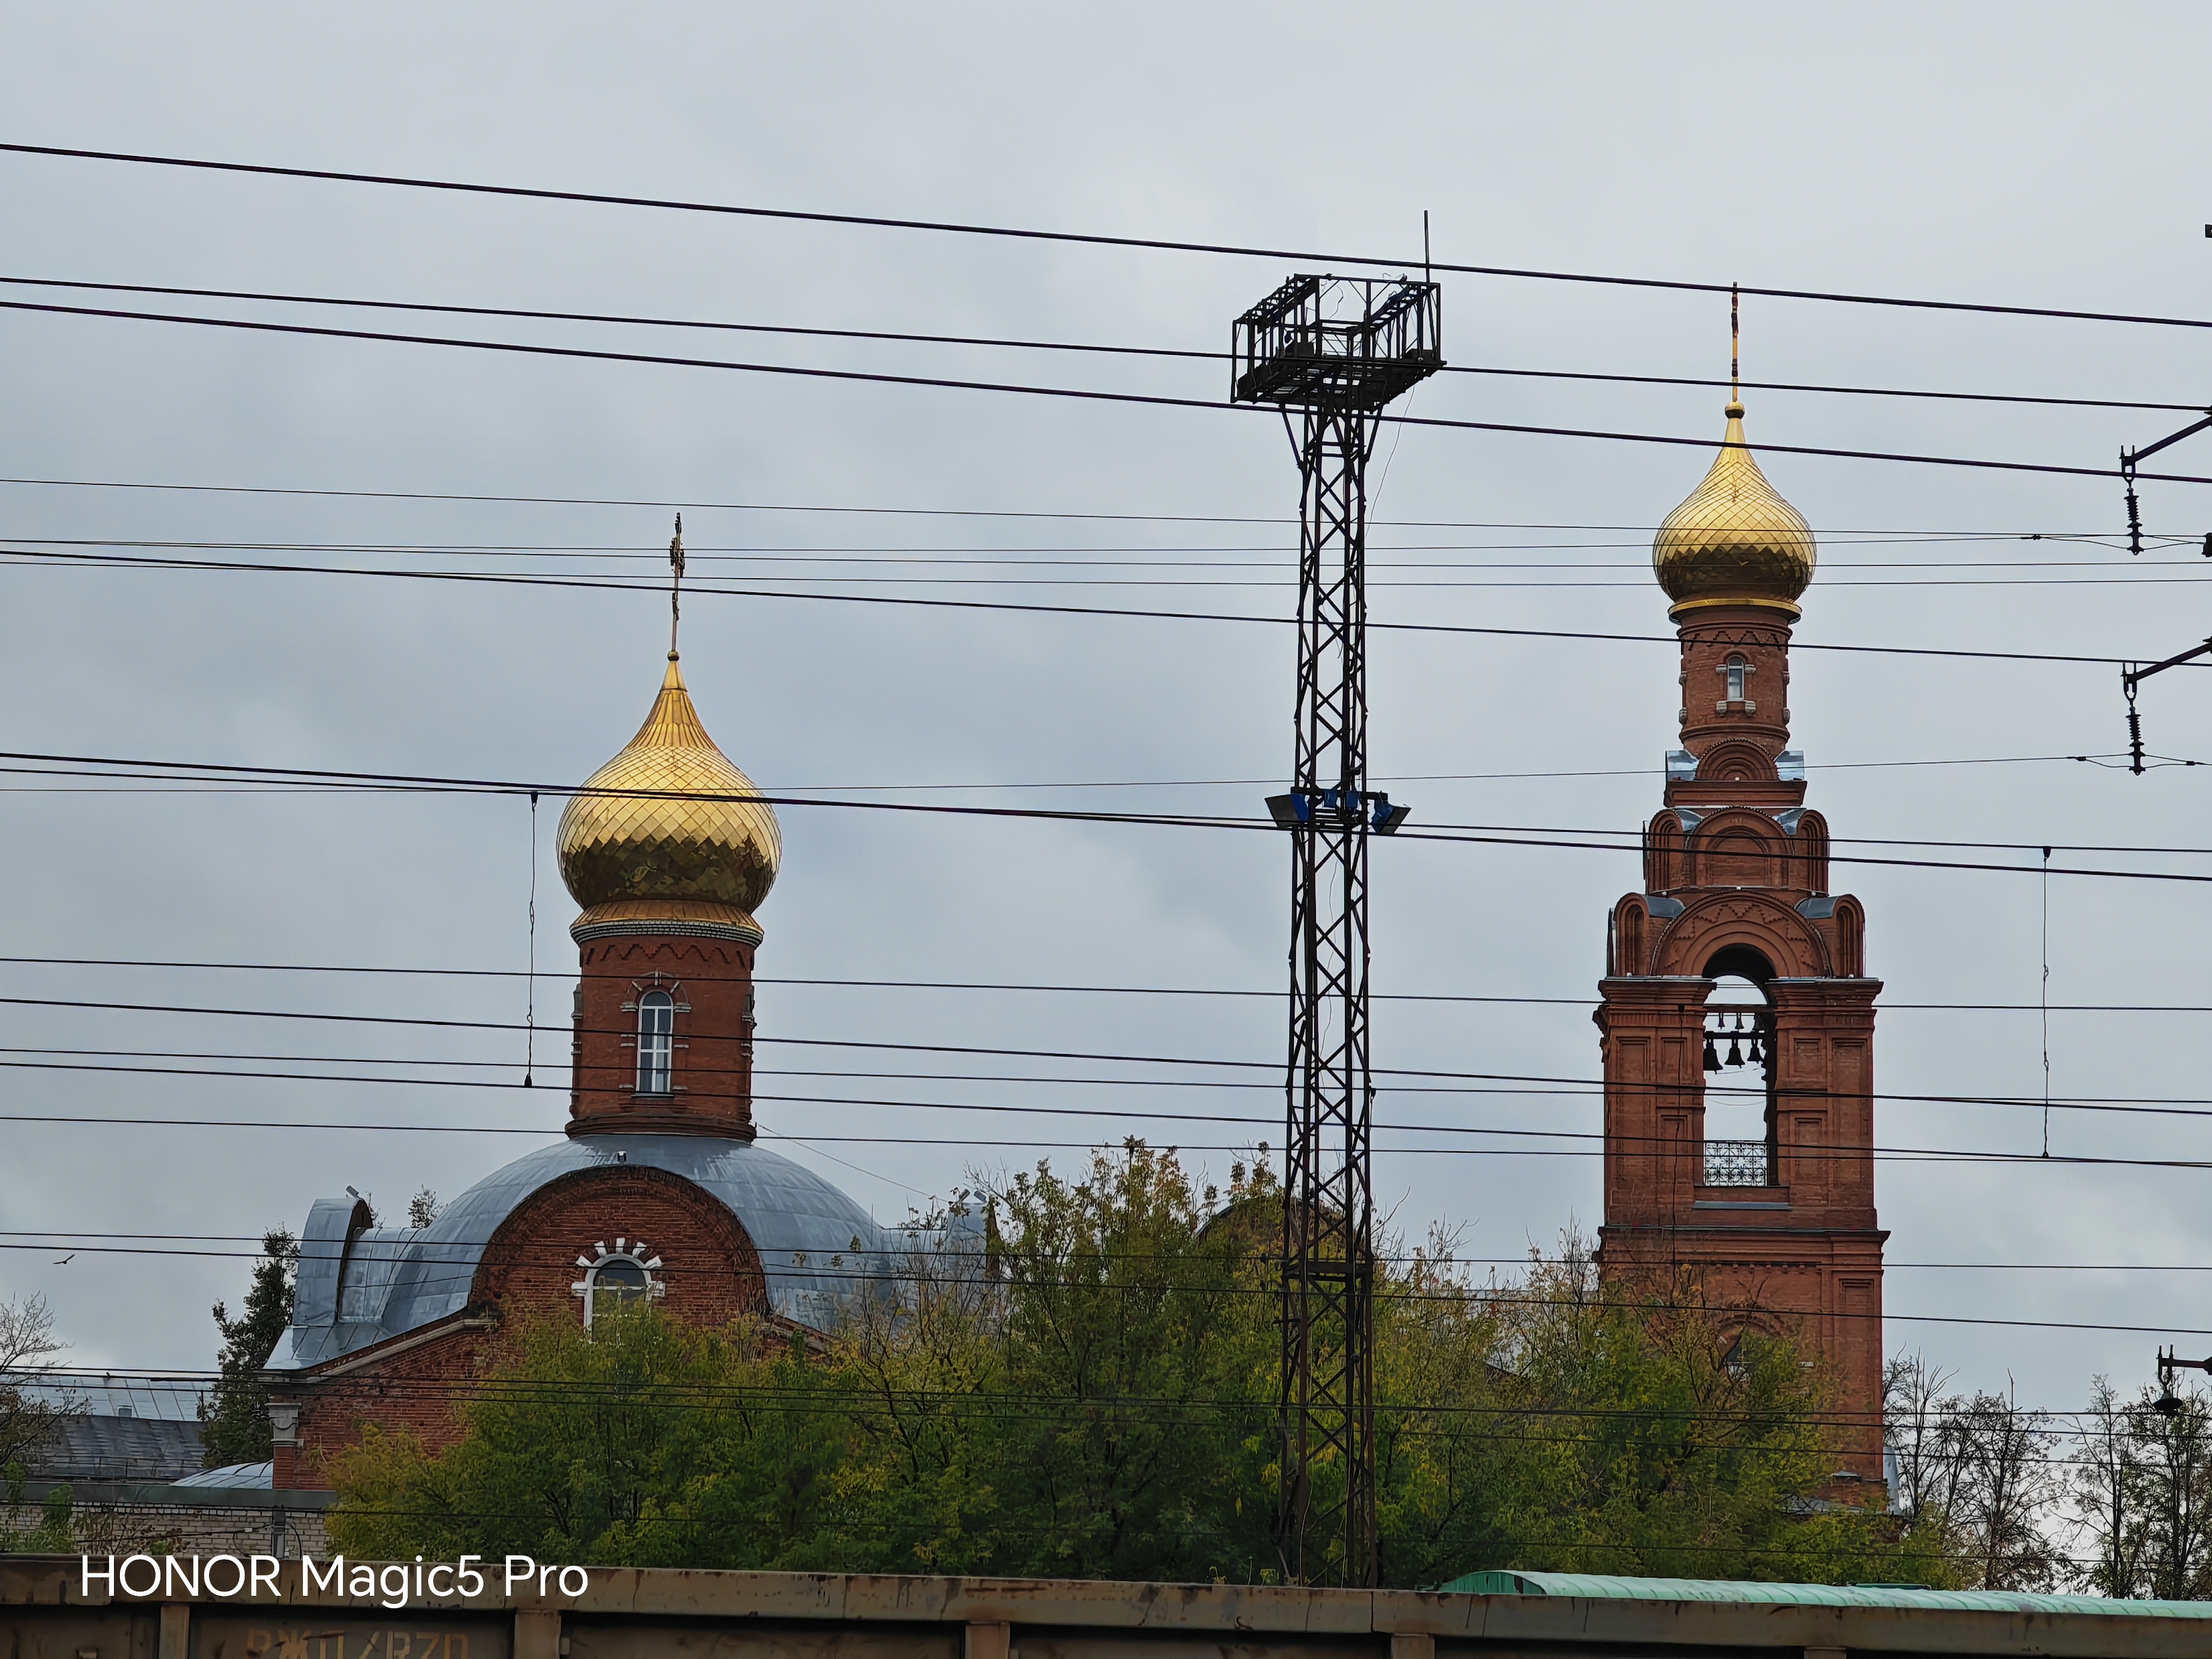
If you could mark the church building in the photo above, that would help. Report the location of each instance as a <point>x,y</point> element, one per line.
<point>1737,944</point>
<point>659,1189</point>
<point>1735,987</point>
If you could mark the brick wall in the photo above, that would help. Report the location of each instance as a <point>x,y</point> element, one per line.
<point>143,1527</point>
<point>1740,872</point>
<point>710,1274</point>
<point>711,979</point>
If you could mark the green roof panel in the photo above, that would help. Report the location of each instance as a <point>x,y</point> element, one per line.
<point>1591,1586</point>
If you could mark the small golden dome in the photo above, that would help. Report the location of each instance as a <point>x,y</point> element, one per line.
<point>669,825</point>
<point>1735,540</point>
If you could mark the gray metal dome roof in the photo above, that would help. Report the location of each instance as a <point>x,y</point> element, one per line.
<point>812,1240</point>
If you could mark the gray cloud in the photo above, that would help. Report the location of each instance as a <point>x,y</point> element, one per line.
<point>1977,152</point>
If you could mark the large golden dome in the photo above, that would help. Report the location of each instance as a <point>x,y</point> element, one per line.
<point>669,830</point>
<point>1735,540</point>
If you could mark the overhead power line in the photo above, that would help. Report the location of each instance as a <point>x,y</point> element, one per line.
<point>1468,834</point>
<point>1086,394</point>
<point>1380,1257</point>
<point>955,567</point>
<point>983,513</point>
<point>2185,1106</point>
<point>1185,354</point>
<point>2115,759</point>
<point>495,1387</point>
<point>1503,1298</point>
<point>1024,607</point>
<point>1011,985</point>
<point>1094,239</point>
<point>1159,556</point>
<point>2075,1162</point>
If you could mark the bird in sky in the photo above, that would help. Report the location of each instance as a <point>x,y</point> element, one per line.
<point>66,1259</point>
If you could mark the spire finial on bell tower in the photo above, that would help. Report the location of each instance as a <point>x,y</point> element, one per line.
<point>675,584</point>
<point>1736,345</point>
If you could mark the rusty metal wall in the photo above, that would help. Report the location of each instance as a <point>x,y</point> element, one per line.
<point>675,1613</point>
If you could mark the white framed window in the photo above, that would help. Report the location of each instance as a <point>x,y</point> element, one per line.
<point>656,1042</point>
<point>617,1278</point>
<point>1736,669</point>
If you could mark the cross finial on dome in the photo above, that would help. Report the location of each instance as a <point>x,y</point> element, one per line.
<point>675,584</point>
<point>1736,345</point>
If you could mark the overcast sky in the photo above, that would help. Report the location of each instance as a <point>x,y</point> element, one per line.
<point>2037,156</point>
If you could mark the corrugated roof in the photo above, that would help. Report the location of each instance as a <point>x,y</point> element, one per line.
<point>1591,1586</point>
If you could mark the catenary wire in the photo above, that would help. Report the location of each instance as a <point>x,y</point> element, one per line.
<point>1726,1092</point>
<point>1080,555</point>
<point>923,512</point>
<point>1000,343</point>
<point>1089,239</point>
<point>1723,1094</point>
<point>60,553</point>
<point>36,1234</point>
<point>784,1398</point>
<point>1575,1085</point>
<point>1453,834</point>
<point>1014,984</point>
<point>507,787</point>
<point>1085,394</point>
<point>1430,777</point>
<point>1032,608</point>
<point>1196,1061</point>
<point>1461,1084</point>
<point>876,1275</point>
<point>809,1140</point>
<point>1380,1257</point>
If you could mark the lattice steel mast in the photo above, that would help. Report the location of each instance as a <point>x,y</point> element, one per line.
<point>1336,349</point>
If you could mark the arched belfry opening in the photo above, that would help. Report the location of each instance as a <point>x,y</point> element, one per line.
<point>1738,1139</point>
<point>1737,1020</point>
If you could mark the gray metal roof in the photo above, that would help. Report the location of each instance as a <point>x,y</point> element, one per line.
<point>1592,1586</point>
<point>362,1285</point>
<point>114,1447</point>
<point>235,1477</point>
<point>104,1394</point>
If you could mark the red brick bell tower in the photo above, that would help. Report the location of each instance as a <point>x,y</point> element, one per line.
<point>668,848</point>
<point>1777,1227</point>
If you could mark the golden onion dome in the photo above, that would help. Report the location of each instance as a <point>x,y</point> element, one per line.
<point>1735,540</point>
<point>670,829</point>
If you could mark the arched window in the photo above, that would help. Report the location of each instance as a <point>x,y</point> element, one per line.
<point>656,1041</point>
<point>1736,669</point>
<point>614,1283</point>
<point>615,1278</point>
<point>354,1300</point>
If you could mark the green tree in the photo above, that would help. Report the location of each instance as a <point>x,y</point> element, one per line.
<point>235,1412</point>
<point>1618,1427</point>
<point>56,1531</point>
<point>1086,1385</point>
<point>2142,1494</point>
<point>1133,1354</point>
<point>642,1442</point>
<point>31,1408</point>
<point>1976,1487</point>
